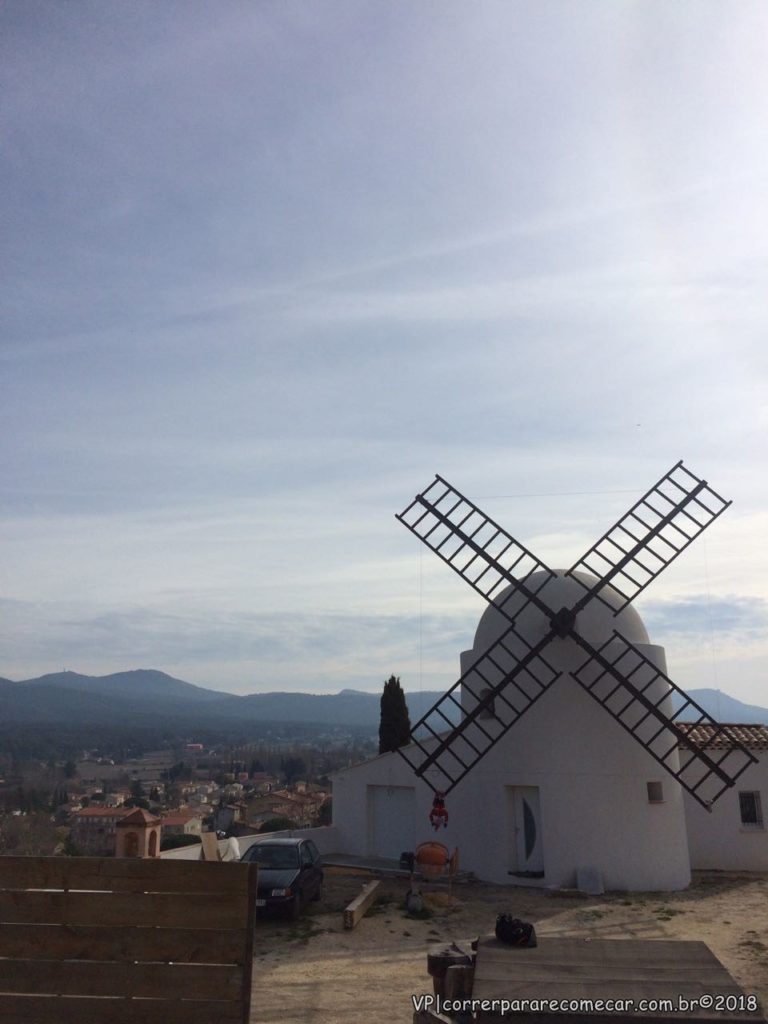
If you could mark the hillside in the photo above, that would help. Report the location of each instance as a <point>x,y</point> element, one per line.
<point>727,709</point>
<point>50,704</point>
<point>143,683</point>
<point>151,697</point>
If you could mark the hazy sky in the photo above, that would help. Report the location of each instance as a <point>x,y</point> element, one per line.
<point>269,266</point>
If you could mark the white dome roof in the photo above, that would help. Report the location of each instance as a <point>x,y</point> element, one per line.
<point>595,622</point>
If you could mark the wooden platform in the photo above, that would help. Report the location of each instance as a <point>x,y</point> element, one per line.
<point>607,969</point>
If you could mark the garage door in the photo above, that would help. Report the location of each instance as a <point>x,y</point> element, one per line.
<point>391,820</point>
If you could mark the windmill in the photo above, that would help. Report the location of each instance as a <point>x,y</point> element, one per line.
<point>542,611</point>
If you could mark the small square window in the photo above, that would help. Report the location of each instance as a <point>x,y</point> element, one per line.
<point>655,792</point>
<point>751,809</point>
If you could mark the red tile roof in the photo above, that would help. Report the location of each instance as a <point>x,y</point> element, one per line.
<point>753,736</point>
<point>101,812</point>
<point>137,816</point>
<point>178,819</point>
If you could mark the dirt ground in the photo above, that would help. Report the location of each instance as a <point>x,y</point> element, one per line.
<point>314,970</point>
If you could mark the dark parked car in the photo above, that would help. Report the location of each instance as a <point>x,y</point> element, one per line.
<point>290,873</point>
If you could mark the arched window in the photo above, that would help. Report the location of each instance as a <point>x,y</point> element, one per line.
<point>132,845</point>
<point>153,843</point>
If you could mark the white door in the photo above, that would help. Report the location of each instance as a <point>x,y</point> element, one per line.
<point>525,817</point>
<point>391,820</point>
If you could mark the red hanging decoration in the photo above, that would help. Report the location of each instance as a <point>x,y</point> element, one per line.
<point>438,815</point>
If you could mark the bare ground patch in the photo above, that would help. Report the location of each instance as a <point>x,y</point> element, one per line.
<point>315,971</point>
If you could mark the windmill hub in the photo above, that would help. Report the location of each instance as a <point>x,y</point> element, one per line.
<point>563,621</point>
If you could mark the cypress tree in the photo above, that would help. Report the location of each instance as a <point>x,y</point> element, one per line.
<point>394,724</point>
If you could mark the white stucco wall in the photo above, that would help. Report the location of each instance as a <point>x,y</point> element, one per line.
<point>592,780</point>
<point>353,805</point>
<point>593,797</point>
<point>325,838</point>
<point>717,839</point>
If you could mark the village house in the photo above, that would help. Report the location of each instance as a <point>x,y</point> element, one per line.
<point>182,823</point>
<point>93,829</point>
<point>229,817</point>
<point>301,808</point>
<point>732,836</point>
<point>114,798</point>
<point>204,793</point>
<point>232,791</point>
<point>263,782</point>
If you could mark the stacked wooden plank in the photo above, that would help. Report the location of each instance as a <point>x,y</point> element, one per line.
<point>651,971</point>
<point>359,906</point>
<point>115,941</point>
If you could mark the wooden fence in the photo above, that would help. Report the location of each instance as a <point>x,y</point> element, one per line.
<point>122,941</point>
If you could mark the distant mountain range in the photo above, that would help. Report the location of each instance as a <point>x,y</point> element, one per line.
<point>147,697</point>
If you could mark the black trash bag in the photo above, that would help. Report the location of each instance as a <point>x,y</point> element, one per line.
<point>515,932</point>
<point>414,901</point>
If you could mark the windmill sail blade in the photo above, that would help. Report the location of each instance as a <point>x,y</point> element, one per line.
<point>652,534</point>
<point>635,692</point>
<point>475,546</point>
<point>498,697</point>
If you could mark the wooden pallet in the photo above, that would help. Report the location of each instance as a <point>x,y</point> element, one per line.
<point>618,969</point>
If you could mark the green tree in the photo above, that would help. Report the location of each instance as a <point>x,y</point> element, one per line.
<point>277,825</point>
<point>179,771</point>
<point>58,797</point>
<point>69,849</point>
<point>325,814</point>
<point>137,801</point>
<point>294,768</point>
<point>394,724</point>
<point>173,796</point>
<point>28,835</point>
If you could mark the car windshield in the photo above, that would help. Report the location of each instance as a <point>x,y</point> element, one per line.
<point>275,857</point>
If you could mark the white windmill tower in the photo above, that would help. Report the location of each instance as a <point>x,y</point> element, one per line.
<point>582,777</point>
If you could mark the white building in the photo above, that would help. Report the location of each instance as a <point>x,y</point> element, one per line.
<point>732,837</point>
<point>565,789</point>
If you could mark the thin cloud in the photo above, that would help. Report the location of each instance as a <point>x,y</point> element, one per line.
<point>702,616</point>
<point>313,650</point>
